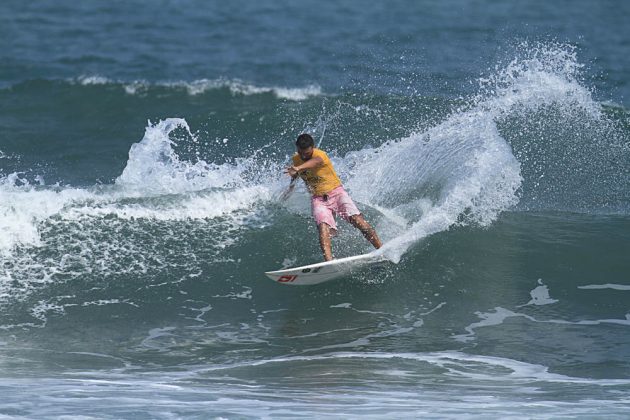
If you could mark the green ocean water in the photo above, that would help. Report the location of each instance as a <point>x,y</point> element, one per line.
<point>141,159</point>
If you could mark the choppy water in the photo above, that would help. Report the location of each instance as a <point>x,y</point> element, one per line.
<point>141,163</point>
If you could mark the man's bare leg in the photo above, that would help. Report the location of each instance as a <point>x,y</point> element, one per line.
<point>324,241</point>
<point>359,222</point>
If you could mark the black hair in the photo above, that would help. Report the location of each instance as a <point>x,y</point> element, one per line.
<point>304,141</point>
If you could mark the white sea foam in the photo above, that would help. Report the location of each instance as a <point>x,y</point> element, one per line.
<point>486,387</point>
<point>23,207</point>
<point>79,394</point>
<point>499,316</point>
<point>93,80</point>
<point>455,363</point>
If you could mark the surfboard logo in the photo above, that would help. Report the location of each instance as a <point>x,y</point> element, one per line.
<point>287,279</point>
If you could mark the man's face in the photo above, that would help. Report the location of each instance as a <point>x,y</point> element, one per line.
<point>305,154</point>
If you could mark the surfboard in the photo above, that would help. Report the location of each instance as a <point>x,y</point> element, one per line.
<point>323,271</point>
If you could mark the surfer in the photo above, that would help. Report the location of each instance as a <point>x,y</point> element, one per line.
<point>328,197</point>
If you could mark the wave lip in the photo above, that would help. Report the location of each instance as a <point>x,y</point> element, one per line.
<point>154,168</point>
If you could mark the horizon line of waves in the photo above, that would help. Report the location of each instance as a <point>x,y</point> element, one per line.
<point>200,86</point>
<point>236,87</point>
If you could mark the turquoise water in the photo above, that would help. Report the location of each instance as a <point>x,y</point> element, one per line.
<point>141,161</point>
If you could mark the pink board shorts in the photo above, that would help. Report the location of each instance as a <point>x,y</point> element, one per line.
<point>336,202</point>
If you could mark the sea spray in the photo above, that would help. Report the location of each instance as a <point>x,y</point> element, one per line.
<point>466,166</point>
<point>572,153</point>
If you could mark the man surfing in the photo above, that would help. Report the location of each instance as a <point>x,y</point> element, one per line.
<point>328,197</point>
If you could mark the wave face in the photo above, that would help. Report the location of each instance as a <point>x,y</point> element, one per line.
<point>132,264</point>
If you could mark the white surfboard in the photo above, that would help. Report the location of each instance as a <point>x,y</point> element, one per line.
<point>323,271</point>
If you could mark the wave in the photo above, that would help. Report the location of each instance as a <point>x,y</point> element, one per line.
<point>484,157</point>
<point>466,169</point>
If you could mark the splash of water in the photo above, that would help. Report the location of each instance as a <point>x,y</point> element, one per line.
<point>464,170</point>
<point>154,168</point>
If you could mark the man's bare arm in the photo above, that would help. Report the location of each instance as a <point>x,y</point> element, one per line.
<point>309,164</point>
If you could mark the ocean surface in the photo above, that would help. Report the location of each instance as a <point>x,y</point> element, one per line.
<point>142,148</point>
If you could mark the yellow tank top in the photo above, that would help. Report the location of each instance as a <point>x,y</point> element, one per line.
<point>322,179</point>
